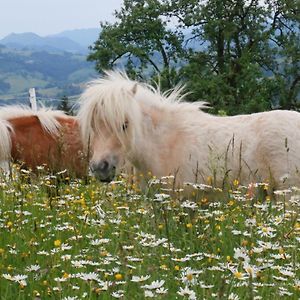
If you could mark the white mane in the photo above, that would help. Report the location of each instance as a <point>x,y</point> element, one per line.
<point>116,99</point>
<point>5,141</point>
<point>46,116</point>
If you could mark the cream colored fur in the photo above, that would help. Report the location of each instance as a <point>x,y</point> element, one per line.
<point>167,136</point>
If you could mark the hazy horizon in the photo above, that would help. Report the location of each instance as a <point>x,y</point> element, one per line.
<point>52,17</point>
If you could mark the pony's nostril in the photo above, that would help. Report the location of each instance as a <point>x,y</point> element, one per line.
<point>103,166</point>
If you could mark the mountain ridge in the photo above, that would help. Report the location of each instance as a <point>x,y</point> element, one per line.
<point>74,41</point>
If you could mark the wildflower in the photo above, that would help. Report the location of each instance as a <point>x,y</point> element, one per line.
<point>286,272</point>
<point>233,296</point>
<point>33,268</point>
<point>88,276</point>
<point>154,285</point>
<point>118,276</point>
<point>140,278</point>
<point>241,253</point>
<point>118,294</point>
<point>250,269</point>
<point>149,294</point>
<point>189,225</point>
<point>186,292</point>
<point>57,243</point>
<point>236,182</point>
<point>239,275</point>
<point>266,231</point>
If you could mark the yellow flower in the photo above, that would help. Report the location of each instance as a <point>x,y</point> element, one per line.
<point>238,275</point>
<point>218,227</point>
<point>189,225</point>
<point>160,226</point>
<point>230,203</point>
<point>235,182</point>
<point>189,276</point>
<point>9,224</point>
<point>2,251</point>
<point>118,276</point>
<point>177,268</point>
<point>57,243</point>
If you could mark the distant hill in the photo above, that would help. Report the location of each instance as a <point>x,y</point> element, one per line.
<point>55,65</point>
<point>33,41</point>
<point>53,74</point>
<point>84,37</point>
<point>75,41</point>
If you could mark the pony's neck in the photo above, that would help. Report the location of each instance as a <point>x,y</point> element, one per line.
<point>156,145</point>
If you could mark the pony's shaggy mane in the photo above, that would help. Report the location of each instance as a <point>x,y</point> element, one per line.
<point>115,100</point>
<point>5,140</point>
<point>46,116</point>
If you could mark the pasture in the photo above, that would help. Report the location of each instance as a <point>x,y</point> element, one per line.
<point>76,240</point>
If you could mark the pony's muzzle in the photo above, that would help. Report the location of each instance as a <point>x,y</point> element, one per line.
<point>103,170</point>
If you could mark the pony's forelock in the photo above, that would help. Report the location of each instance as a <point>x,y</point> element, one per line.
<point>114,99</point>
<point>107,102</point>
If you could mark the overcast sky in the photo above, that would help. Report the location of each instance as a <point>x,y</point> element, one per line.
<point>53,16</point>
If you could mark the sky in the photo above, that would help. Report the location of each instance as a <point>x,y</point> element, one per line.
<point>46,17</point>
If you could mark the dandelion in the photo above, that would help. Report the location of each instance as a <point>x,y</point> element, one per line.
<point>57,243</point>
<point>118,276</point>
<point>189,225</point>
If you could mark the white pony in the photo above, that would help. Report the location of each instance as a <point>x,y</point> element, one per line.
<point>162,135</point>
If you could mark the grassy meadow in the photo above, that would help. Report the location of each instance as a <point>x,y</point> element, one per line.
<point>87,240</point>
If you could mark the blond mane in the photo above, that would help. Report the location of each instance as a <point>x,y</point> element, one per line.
<point>46,116</point>
<point>116,99</point>
<point>5,140</point>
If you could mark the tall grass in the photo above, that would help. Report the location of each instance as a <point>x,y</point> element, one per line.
<point>72,240</point>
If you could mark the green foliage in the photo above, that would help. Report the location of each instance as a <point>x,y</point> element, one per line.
<point>65,105</point>
<point>240,56</point>
<point>141,40</point>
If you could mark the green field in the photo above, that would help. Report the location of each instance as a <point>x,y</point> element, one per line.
<point>78,240</point>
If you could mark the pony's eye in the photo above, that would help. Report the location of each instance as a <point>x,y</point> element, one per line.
<point>125,126</point>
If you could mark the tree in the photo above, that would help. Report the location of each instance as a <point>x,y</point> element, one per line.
<point>142,41</point>
<point>284,18</point>
<point>240,56</point>
<point>65,106</point>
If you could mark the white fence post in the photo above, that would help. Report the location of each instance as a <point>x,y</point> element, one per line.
<point>32,99</point>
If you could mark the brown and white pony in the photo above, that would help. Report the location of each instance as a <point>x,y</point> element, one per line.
<point>162,134</point>
<point>45,137</point>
